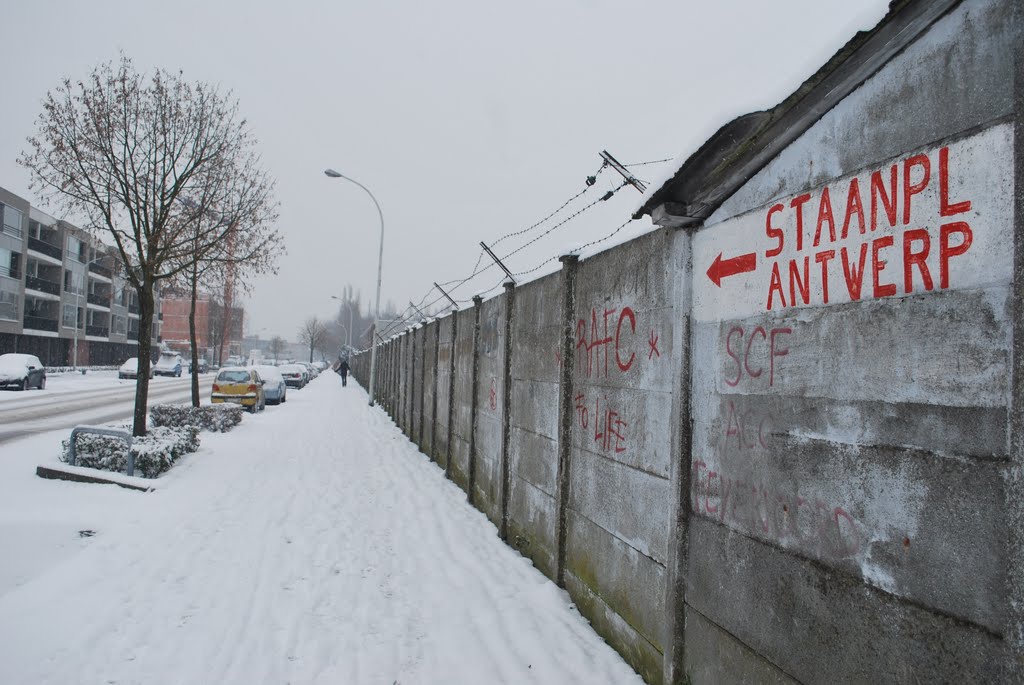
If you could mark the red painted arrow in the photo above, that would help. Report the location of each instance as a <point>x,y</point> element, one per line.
<point>730,267</point>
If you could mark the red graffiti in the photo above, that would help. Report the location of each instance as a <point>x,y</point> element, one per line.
<point>609,428</point>
<point>888,195</point>
<point>748,428</point>
<point>762,511</point>
<point>765,339</point>
<point>605,341</point>
<point>652,342</point>
<point>493,399</point>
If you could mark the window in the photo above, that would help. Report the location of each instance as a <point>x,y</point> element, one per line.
<point>74,283</point>
<point>8,303</point>
<point>76,249</point>
<point>120,325</point>
<point>12,221</point>
<point>71,316</point>
<point>10,263</point>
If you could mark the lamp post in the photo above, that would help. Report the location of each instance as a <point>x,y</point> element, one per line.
<point>348,331</point>
<point>380,263</point>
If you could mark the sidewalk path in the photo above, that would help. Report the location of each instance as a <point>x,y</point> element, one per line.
<point>312,544</point>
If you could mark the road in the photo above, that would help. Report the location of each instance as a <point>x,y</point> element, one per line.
<point>52,409</point>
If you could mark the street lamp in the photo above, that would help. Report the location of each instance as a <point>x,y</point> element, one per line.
<point>348,331</point>
<point>380,263</point>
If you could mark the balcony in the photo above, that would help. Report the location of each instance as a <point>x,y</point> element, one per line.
<point>45,248</point>
<point>38,323</point>
<point>97,331</point>
<point>42,285</point>
<point>97,268</point>
<point>98,300</point>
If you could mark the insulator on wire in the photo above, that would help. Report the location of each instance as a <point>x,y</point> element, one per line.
<point>591,180</point>
<point>607,195</point>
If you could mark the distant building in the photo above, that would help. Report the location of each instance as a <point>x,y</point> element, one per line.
<point>59,286</point>
<point>211,326</point>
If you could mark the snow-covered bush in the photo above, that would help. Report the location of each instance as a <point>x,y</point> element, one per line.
<point>216,418</point>
<point>154,452</point>
<point>97,452</point>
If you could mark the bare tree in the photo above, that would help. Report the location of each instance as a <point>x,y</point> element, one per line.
<point>277,346</point>
<point>123,150</point>
<point>312,334</point>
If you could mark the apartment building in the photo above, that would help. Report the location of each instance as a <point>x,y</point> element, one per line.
<point>62,297</point>
<point>218,328</point>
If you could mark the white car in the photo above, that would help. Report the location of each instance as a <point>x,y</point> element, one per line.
<point>130,369</point>
<point>274,387</point>
<point>168,365</point>
<point>21,371</point>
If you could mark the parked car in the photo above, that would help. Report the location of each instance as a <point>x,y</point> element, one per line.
<point>294,375</point>
<point>169,364</point>
<point>130,369</point>
<point>203,365</point>
<point>274,387</point>
<point>21,371</point>
<point>239,385</point>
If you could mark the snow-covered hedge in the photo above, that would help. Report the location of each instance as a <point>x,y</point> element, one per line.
<point>217,418</point>
<point>154,452</point>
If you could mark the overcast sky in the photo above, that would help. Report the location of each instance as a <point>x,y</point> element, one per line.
<point>467,119</point>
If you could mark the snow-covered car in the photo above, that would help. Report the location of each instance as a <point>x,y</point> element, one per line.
<point>130,369</point>
<point>203,366</point>
<point>21,371</point>
<point>274,387</point>
<point>168,365</point>
<point>239,385</point>
<point>294,375</point>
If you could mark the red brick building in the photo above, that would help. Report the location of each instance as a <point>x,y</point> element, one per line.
<point>211,327</point>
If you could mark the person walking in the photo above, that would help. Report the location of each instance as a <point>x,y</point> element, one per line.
<point>343,370</point>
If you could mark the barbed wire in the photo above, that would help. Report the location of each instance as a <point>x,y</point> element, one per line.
<point>653,161</point>
<point>591,181</point>
<point>404,319</point>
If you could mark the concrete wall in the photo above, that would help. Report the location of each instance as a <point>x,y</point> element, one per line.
<point>532,450</point>
<point>462,424</point>
<point>807,470</point>
<point>490,389</point>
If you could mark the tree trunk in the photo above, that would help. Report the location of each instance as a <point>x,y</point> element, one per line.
<point>147,306</point>
<point>194,367</point>
<point>310,353</point>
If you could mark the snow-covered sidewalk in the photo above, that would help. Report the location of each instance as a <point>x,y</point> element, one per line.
<point>311,544</point>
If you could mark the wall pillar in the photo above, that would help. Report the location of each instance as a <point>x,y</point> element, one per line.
<point>423,382</point>
<point>474,396</point>
<point>433,403</point>
<point>565,409</point>
<point>681,449</point>
<point>451,408</point>
<point>1015,472</point>
<point>506,408</point>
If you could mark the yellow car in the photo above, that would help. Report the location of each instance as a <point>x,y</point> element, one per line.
<point>239,385</point>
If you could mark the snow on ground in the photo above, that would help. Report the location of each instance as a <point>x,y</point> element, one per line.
<point>312,544</point>
<point>65,383</point>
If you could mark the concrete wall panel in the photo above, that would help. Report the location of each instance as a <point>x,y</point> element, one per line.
<point>823,627</point>
<point>462,426</point>
<point>490,393</point>
<point>429,380</point>
<point>444,377</point>
<point>533,417</point>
